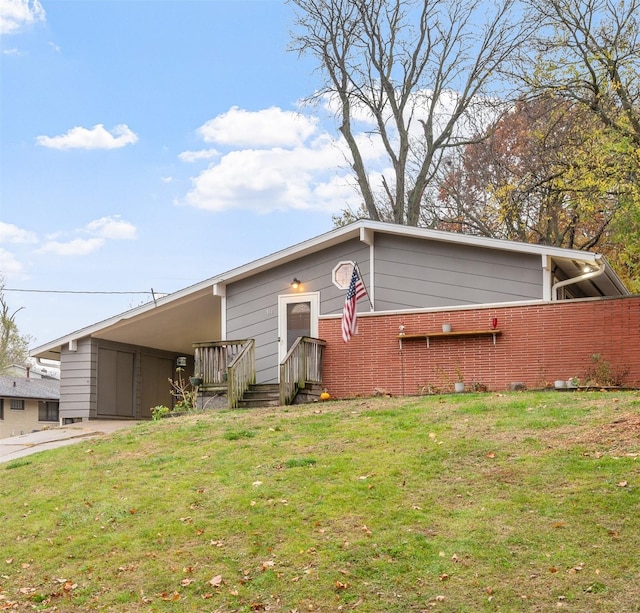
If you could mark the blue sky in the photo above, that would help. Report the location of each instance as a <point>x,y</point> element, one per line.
<point>152,144</point>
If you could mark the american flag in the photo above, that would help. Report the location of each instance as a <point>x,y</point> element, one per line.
<point>349,316</point>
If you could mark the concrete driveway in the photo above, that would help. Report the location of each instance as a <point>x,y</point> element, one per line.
<point>27,444</point>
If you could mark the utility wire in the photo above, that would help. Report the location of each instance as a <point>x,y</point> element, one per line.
<point>70,291</point>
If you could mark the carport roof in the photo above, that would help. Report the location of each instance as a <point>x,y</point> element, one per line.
<point>136,326</point>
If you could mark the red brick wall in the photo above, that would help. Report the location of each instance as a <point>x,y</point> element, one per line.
<point>538,345</point>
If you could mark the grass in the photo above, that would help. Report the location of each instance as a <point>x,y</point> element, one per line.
<point>466,503</point>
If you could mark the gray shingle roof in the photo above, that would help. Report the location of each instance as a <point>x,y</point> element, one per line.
<point>21,387</point>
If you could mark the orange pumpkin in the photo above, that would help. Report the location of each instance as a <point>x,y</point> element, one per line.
<point>325,395</point>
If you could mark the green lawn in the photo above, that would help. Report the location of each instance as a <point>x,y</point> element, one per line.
<point>460,503</point>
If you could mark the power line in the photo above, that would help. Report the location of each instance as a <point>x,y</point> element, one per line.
<point>70,291</point>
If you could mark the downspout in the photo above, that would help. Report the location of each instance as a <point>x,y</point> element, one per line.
<point>587,275</point>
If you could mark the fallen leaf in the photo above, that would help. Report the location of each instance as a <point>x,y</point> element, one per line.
<point>444,577</point>
<point>341,586</point>
<point>491,454</point>
<point>216,581</point>
<point>622,484</point>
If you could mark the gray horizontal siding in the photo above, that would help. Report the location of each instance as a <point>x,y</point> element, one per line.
<point>77,381</point>
<point>410,273</point>
<point>252,304</point>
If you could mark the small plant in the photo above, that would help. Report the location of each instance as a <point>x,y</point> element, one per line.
<point>184,392</point>
<point>158,412</point>
<point>236,435</point>
<point>300,462</point>
<point>429,388</point>
<point>17,464</point>
<point>601,374</point>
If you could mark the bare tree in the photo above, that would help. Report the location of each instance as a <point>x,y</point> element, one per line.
<point>415,74</point>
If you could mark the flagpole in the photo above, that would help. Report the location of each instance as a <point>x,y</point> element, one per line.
<point>355,264</point>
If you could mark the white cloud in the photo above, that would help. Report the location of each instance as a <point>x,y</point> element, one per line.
<point>99,231</point>
<point>112,228</point>
<point>17,14</point>
<point>290,163</point>
<point>270,127</point>
<point>95,138</point>
<point>12,51</point>
<point>275,179</point>
<point>9,264</point>
<point>78,246</point>
<point>194,156</point>
<point>10,233</point>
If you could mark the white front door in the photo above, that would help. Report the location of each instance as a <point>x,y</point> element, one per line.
<point>297,316</point>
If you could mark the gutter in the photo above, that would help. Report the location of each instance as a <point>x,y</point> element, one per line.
<point>583,277</point>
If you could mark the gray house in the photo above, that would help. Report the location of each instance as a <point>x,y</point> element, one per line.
<point>260,322</point>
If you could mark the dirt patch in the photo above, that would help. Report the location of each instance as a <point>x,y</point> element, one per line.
<point>619,436</point>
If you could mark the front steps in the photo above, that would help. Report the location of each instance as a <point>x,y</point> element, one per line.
<point>268,395</point>
<point>261,395</point>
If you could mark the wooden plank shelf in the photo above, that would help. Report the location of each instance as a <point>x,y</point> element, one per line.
<point>453,334</point>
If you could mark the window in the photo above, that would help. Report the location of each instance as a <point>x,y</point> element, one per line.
<point>1,408</point>
<point>17,404</point>
<point>48,411</point>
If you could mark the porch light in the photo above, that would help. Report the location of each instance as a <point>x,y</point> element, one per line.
<point>295,284</point>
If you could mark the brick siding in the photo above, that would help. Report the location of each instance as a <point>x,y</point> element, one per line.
<point>538,344</point>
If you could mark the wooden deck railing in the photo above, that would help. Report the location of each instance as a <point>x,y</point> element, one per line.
<point>212,360</point>
<point>242,373</point>
<point>302,365</point>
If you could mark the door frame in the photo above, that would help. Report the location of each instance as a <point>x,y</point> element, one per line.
<point>313,298</point>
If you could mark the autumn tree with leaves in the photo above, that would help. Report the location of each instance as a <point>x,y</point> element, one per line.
<point>549,173</point>
<point>588,53</point>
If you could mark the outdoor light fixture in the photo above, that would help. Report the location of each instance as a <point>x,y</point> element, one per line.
<point>295,284</point>
<point>181,361</point>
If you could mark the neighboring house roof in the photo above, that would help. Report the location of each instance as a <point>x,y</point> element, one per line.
<point>34,370</point>
<point>570,262</point>
<point>34,389</point>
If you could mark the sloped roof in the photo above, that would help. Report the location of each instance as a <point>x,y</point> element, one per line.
<point>570,261</point>
<point>34,389</point>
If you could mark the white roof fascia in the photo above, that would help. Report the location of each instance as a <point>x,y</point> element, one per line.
<point>363,230</point>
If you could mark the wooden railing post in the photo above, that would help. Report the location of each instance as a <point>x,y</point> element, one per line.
<point>301,365</point>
